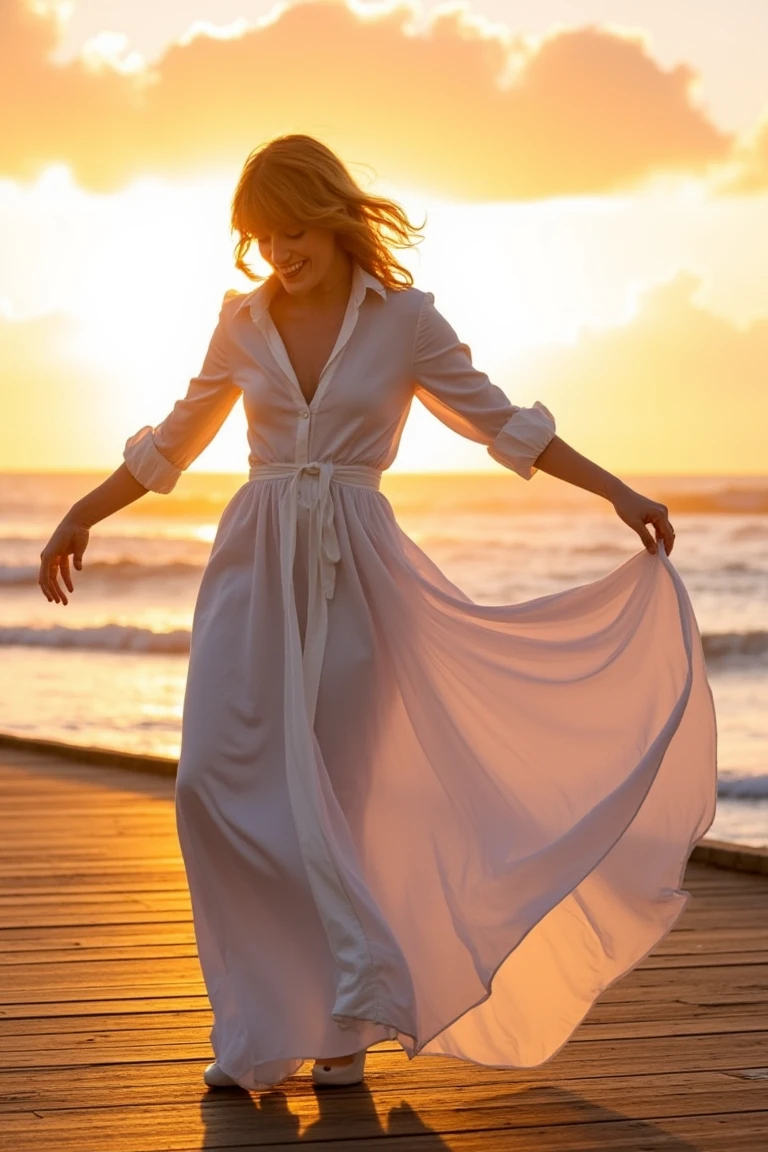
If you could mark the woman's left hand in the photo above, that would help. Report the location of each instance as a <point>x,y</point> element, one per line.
<point>637,511</point>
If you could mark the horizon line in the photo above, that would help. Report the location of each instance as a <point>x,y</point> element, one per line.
<point>486,473</point>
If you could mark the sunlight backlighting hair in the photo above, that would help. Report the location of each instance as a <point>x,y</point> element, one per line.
<point>297,180</point>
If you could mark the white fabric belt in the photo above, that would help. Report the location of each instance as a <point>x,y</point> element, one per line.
<point>314,808</point>
<point>323,550</point>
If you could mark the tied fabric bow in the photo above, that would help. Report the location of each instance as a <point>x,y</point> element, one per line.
<point>323,556</point>
<point>324,552</point>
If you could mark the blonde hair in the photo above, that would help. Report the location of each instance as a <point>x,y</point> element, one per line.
<point>296,179</point>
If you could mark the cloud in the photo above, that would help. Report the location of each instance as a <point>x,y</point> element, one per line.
<point>678,388</point>
<point>460,108</point>
<point>747,172</point>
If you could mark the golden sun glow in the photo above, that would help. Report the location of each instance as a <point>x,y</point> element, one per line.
<point>596,246</point>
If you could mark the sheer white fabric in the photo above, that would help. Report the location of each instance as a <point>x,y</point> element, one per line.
<point>403,814</point>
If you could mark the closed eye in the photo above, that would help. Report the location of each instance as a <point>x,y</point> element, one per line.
<point>290,235</point>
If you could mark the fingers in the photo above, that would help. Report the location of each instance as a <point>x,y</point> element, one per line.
<point>646,538</point>
<point>662,528</point>
<point>54,561</point>
<point>43,579</point>
<point>53,583</point>
<point>48,580</point>
<point>65,573</point>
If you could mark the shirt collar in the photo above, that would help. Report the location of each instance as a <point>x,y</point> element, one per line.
<point>258,300</point>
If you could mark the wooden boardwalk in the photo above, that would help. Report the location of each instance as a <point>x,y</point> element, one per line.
<point>104,1020</point>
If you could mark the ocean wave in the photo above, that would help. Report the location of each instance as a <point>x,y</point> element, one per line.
<point>726,501</point>
<point>755,531</point>
<point>606,548</point>
<point>26,575</point>
<point>740,568</point>
<point>738,787</point>
<point>719,646</point>
<point>125,570</point>
<point>104,638</point>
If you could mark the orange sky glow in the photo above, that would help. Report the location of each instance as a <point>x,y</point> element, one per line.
<point>594,175</point>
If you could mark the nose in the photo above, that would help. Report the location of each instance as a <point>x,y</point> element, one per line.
<point>281,256</point>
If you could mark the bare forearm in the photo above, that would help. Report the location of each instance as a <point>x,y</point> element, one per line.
<point>565,463</point>
<point>636,510</point>
<point>118,490</point>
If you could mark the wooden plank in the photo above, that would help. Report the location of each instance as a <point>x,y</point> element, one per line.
<point>640,1096</point>
<point>176,998</point>
<point>171,1000</point>
<point>86,920</point>
<point>81,953</point>
<point>17,940</point>
<point>161,940</point>
<point>633,1018</point>
<point>106,1042</point>
<point>618,1057</point>
<point>732,1133</point>
<point>55,750</point>
<point>735,857</point>
<point>41,956</point>
<point>118,992</point>
<point>78,973</point>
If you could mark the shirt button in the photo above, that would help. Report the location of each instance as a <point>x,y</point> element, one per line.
<point>304,413</point>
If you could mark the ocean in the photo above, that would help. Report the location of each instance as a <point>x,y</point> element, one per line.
<point>108,670</point>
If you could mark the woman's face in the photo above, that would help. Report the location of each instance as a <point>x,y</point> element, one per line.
<point>313,248</point>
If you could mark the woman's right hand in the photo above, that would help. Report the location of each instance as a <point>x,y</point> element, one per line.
<point>70,536</point>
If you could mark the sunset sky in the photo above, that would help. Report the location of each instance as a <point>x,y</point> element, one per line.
<point>594,174</point>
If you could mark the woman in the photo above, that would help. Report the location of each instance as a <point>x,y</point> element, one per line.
<point>402,815</point>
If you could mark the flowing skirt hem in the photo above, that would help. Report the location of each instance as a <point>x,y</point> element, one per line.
<point>412,1047</point>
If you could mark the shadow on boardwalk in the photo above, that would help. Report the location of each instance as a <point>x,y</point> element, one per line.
<point>352,1116</point>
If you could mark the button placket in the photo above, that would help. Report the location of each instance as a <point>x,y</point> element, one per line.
<point>302,435</point>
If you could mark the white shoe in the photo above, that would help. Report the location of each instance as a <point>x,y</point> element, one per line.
<point>216,1077</point>
<point>340,1073</point>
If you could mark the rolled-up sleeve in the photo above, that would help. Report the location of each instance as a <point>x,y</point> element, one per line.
<point>156,456</point>
<point>463,397</point>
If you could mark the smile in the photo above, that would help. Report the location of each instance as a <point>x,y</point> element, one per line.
<point>292,269</point>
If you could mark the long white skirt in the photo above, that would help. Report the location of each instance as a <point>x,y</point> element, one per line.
<point>486,824</point>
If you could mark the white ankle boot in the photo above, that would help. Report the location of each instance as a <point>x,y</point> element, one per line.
<point>340,1073</point>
